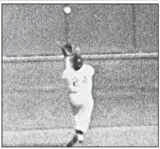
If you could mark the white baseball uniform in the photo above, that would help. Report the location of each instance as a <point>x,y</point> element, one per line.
<point>80,93</point>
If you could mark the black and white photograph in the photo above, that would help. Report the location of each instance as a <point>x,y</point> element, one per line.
<point>79,74</point>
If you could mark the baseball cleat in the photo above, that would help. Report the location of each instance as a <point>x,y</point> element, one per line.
<point>73,141</point>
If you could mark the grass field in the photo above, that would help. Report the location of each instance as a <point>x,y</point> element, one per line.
<point>125,94</point>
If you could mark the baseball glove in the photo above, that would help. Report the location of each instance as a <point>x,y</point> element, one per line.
<point>67,50</point>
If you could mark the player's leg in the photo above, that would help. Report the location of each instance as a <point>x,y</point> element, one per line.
<point>79,134</point>
<point>82,121</point>
<point>74,140</point>
<point>81,124</point>
<point>83,117</point>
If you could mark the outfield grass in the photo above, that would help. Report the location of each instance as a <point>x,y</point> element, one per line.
<point>35,97</point>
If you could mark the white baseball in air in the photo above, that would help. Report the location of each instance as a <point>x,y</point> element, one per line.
<point>77,49</point>
<point>67,10</point>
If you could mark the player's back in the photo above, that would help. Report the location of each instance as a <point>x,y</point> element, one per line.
<point>80,85</point>
<point>81,78</point>
<point>85,76</point>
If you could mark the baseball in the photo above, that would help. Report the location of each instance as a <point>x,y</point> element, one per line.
<point>67,10</point>
<point>77,49</point>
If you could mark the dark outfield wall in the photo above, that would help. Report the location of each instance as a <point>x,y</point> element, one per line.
<point>32,29</point>
<point>39,29</point>
<point>125,94</point>
<point>147,30</point>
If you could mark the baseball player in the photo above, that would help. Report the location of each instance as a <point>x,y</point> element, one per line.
<point>78,77</point>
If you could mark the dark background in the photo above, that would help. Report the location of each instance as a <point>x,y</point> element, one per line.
<point>40,29</point>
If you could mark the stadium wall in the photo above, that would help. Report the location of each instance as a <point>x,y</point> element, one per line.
<point>40,29</point>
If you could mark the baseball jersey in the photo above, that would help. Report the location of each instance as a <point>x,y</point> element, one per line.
<point>79,81</point>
